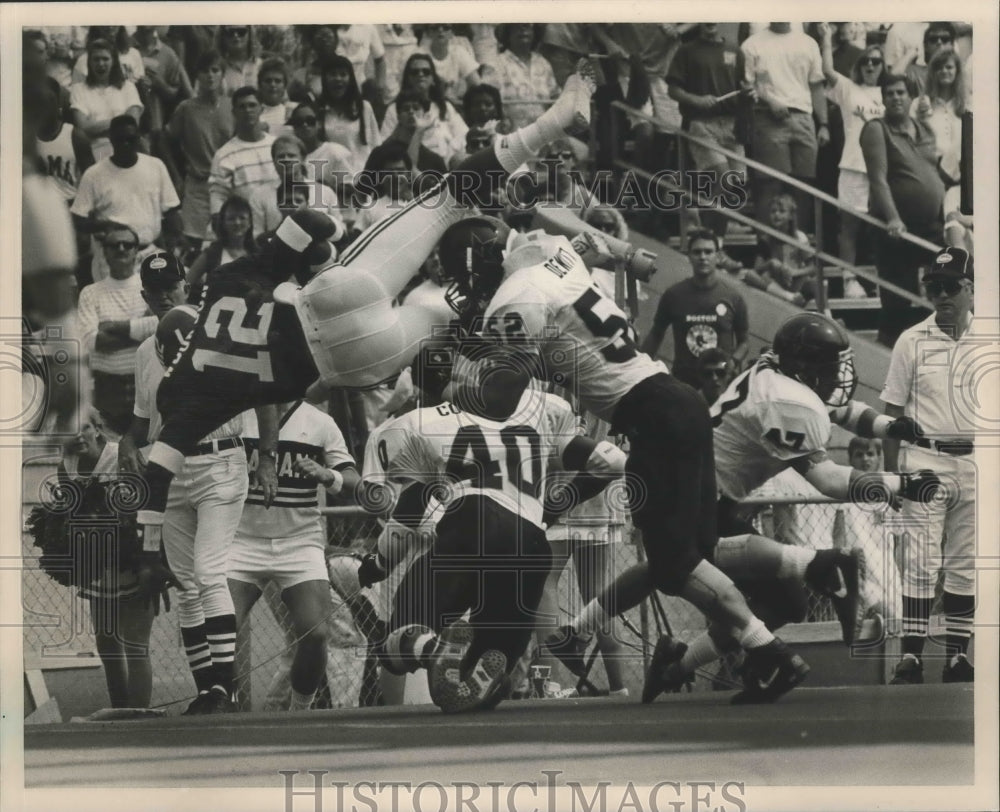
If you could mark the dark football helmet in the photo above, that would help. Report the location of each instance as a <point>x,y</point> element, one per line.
<point>471,253</point>
<point>816,351</point>
<point>173,331</point>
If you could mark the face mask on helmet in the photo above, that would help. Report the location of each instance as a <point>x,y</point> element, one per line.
<point>816,352</point>
<point>472,253</point>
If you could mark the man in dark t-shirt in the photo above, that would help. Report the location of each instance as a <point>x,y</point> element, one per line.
<point>704,312</point>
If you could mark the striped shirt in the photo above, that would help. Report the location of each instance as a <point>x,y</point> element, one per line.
<point>303,432</point>
<point>239,167</point>
<point>113,300</point>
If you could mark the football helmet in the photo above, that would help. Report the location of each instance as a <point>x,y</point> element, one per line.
<point>816,351</point>
<point>172,333</point>
<point>472,253</point>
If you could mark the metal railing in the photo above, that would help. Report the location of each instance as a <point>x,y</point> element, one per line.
<point>819,197</point>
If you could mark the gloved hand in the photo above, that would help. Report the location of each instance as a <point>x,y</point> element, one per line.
<point>373,570</point>
<point>904,428</point>
<point>920,486</point>
<point>155,578</point>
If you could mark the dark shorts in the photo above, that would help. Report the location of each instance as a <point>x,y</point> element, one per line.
<point>671,468</point>
<point>486,560</point>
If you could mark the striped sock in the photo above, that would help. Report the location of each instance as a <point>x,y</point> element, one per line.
<point>408,648</point>
<point>916,617</point>
<point>959,616</point>
<point>198,655</point>
<point>220,631</point>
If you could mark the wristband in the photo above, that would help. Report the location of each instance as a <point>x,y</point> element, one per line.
<point>607,458</point>
<point>338,483</point>
<point>151,536</point>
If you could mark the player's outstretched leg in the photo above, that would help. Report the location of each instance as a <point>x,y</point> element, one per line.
<point>770,672</point>
<point>457,686</point>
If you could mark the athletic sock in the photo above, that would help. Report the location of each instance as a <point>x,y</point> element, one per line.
<point>198,654</point>
<point>795,561</point>
<point>755,634</point>
<point>591,618</point>
<point>220,631</point>
<point>301,702</point>
<point>916,617</point>
<point>409,648</point>
<point>959,616</point>
<point>700,651</point>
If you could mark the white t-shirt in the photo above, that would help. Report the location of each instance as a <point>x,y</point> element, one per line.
<point>357,43</point>
<point>103,104</point>
<point>138,196</point>
<point>784,66</point>
<point>131,61</point>
<point>453,70</point>
<point>858,104</point>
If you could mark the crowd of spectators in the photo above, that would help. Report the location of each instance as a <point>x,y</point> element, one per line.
<point>200,139</point>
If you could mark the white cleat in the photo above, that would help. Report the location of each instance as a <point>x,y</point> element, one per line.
<point>573,104</point>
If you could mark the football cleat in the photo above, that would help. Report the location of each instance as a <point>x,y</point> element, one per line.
<point>216,701</point>
<point>909,671</point>
<point>570,649</point>
<point>454,691</point>
<point>664,673</point>
<point>839,575</point>
<point>770,672</point>
<point>196,708</point>
<point>958,669</point>
<point>573,104</point>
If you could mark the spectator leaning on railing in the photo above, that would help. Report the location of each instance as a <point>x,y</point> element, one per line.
<point>907,191</point>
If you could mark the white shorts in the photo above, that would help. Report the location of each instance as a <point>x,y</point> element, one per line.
<point>852,189</point>
<point>286,561</point>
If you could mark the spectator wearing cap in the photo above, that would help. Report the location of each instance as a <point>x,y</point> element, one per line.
<point>114,319</point>
<point>127,188</point>
<point>933,377</point>
<point>196,130</point>
<point>907,191</point>
<point>244,162</point>
<point>163,287</point>
<point>704,311</point>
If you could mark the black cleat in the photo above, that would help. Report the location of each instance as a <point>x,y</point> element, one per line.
<point>570,649</point>
<point>958,669</point>
<point>770,672</point>
<point>839,575</point>
<point>218,701</point>
<point>196,708</point>
<point>909,671</point>
<point>664,674</point>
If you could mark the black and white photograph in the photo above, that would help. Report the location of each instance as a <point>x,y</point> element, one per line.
<point>499,406</point>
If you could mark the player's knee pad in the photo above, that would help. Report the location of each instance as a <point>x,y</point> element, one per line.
<point>343,573</point>
<point>731,553</point>
<point>398,654</point>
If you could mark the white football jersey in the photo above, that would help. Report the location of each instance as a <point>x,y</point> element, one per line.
<point>506,461</point>
<point>304,431</point>
<point>764,421</point>
<point>549,301</point>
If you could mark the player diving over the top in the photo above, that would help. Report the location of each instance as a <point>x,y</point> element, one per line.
<point>260,339</point>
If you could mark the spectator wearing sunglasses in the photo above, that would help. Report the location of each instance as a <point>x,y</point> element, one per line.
<point>240,64</point>
<point>859,99</point>
<point>446,136</point>
<point>332,163</point>
<point>930,372</point>
<point>939,36</point>
<point>715,371</point>
<point>705,311</point>
<point>452,56</point>
<point>114,320</point>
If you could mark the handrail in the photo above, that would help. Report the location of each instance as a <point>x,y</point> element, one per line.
<point>815,252</point>
<point>775,173</point>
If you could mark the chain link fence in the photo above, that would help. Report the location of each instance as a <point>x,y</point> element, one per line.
<point>57,625</point>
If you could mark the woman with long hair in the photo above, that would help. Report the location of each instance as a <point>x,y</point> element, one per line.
<point>133,68</point>
<point>446,135</point>
<point>234,239</point>
<point>784,267</point>
<point>346,118</point>
<point>453,59</point>
<point>859,98</point>
<point>102,96</point>
<point>941,108</point>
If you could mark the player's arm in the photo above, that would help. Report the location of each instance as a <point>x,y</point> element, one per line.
<point>846,483</point>
<point>129,459</point>
<point>862,420</point>
<point>890,446</point>
<point>658,330</point>
<point>267,474</point>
